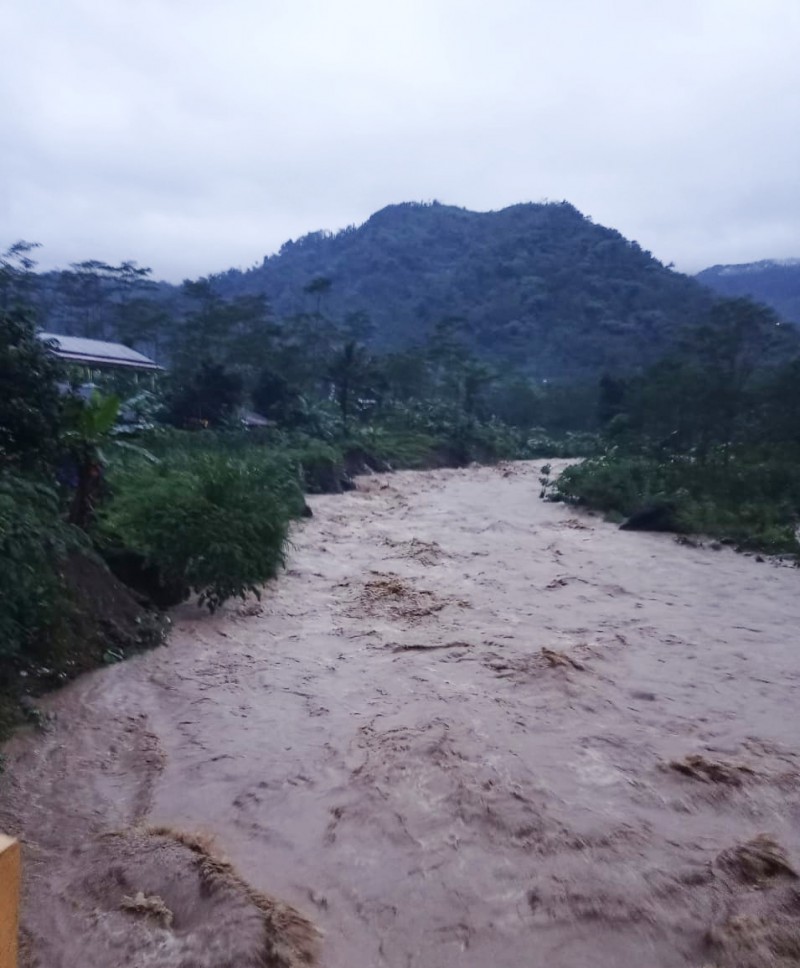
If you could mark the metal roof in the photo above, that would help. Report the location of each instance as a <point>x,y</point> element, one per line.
<point>252,419</point>
<point>78,349</point>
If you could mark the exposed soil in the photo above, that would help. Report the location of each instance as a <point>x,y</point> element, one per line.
<point>465,728</point>
<point>102,621</point>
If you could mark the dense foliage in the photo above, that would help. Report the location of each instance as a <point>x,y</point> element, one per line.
<point>75,484</point>
<point>710,435</point>
<point>30,405</point>
<point>216,522</point>
<point>34,543</point>
<point>751,502</point>
<point>540,284</point>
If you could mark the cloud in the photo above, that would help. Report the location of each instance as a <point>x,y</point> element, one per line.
<point>191,135</point>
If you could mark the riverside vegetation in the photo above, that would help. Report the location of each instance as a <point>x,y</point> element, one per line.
<point>708,439</point>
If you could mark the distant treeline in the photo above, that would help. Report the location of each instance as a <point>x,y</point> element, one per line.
<point>708,439</point>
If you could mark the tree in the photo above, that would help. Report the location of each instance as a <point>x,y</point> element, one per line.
<point>141,323</point>
<point>708,393</point>
<point>734,340</point>
<point>206,398</point>
<point>611,398</point>
<point>779,399</point>
<point>461,377</point>
<point>349,372</point>
<point>251,333</point>
<point>517,402</point>
<point>17,279</point>
<point>303,348</point>
<point>737,339</point>
<point>138,319</point>
<point>30,404</point>
<point>406,375</point>
<point>274,396</point>
<point>319,286</point>
<point>88,424</point>
<point>87,292</point>
<point>239,333</point>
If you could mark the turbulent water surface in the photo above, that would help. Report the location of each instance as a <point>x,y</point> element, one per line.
<point>466,728</point>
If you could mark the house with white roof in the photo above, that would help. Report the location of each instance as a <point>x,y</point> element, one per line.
<point>97,354</point>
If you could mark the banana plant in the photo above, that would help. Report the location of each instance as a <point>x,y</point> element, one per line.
<point>90,430</point>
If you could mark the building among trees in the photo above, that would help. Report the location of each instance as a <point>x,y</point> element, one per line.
<point>94,354</point>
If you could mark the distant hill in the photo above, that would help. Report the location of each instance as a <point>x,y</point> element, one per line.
<point>539,284</point>
<point>775,283</point>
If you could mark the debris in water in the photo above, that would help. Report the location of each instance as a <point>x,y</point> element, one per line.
<point>556,658</point>
<point>417,647</point>
<point>757,861</point>
<point>756,940</point>
<point>698,767</point>
<point>150,905</point>
<point>401,599</point>
<point>424,552</point>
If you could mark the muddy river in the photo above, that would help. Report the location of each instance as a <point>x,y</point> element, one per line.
<point>466,727</point>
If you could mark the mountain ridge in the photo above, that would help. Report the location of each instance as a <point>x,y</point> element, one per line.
<point>773,282</point>
<point>533,281</point>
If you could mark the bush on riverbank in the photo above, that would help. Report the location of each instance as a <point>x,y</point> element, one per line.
<point>708,439</point>
<point>215,522</point>
<point>751,503</point>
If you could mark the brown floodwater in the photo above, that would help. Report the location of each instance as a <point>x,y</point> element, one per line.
<point>466,727</point>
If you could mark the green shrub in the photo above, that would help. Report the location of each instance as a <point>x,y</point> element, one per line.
<point>752,503</point>
<point>613,484</point>
<point>34,542</point>
<point>318,465</point>
<point>396,447</point>
<point>216,522</point>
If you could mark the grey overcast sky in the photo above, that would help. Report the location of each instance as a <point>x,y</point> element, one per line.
<point>195,135</point>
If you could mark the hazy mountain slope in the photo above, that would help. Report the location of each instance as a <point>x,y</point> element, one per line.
<point>772,282</point>
<point>538,283</point>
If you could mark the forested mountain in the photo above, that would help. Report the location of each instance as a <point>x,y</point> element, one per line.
<point>775,283</point>
<point>537,283</point>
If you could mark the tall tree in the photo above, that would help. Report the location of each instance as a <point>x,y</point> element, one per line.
<point>30,404</point>
<point>350,371</point>
<point>206,397</point>
<point>17,279</point>
<point>318,287</point>
<point>86,291</point>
